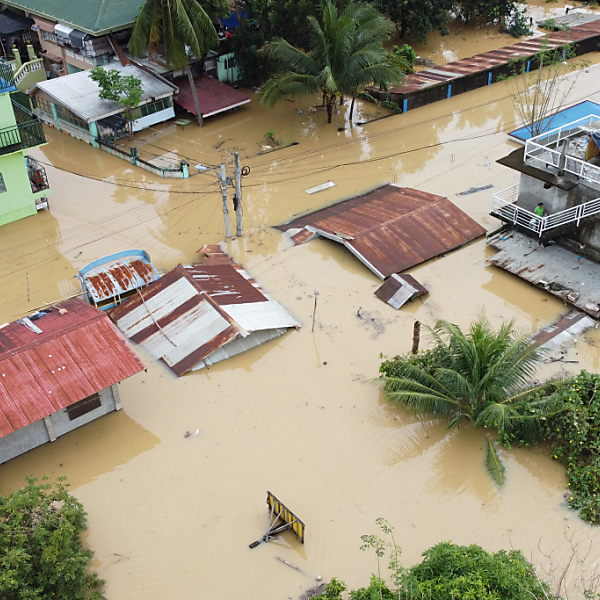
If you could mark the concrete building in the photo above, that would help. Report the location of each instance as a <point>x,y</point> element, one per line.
<point>58,371</point>
<point>561,169</point>
<point>72,104</point>
<point>23,183</point>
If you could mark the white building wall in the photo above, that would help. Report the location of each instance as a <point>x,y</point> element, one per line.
<point>157,117</point>
<point>36,434</point>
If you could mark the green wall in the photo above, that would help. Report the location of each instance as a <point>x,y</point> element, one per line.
<point>18,201</point>
<point>7,116</point>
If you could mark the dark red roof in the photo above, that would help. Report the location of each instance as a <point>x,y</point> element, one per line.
<point>214,96</point>
<point>77,354</point>
<point>392,228</point>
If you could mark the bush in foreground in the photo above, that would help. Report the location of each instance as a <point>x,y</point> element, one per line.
<point>41,556</point>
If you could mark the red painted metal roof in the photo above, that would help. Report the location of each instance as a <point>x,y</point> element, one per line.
<point>392,228</point>
<point>487,60</point>
<point>77,354</point>
<point>214,96</point>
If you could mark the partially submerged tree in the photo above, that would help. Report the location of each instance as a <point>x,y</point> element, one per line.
<point>124,89</point>
<point>538,95</point>
<point>41,555</point>
<point>346,54</point>
<point>483,376</point>
<point>176,24</point>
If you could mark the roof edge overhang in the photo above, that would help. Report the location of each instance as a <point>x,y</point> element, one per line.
<point>94,32</point>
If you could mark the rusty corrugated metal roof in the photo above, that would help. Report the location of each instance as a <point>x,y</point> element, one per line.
<point>78,353</point>
<point>397,290</point>
<point>196,315</point>
<point>563,330</point>
<point>392,228</point>
<point>487,60</point>
<point>118,274</point>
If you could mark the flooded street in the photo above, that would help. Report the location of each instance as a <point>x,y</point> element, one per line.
<point>172,517</point>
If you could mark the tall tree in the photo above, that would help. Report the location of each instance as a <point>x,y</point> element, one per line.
<point>176,24</point>
<point>483,376</point>
<point>418,17</point>
<point>345,54</point>
<point>491,11</point>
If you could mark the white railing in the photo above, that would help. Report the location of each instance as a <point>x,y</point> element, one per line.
<point>537,149</point>
<point>28,67</point>
<point>504,206</point>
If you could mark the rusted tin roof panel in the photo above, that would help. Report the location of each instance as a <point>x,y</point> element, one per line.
<point>397,290</point>
<point>564,330</point>
<point>393,228</point>
<point>78,353</point>
<point>108,277</point>
<point>192,312</point>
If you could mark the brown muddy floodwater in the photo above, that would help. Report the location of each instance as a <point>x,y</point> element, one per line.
<point>172,517</point>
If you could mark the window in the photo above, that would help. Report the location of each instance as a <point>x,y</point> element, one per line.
<point>84,406</point>
<point>2,184</point>
<point>48,36</point>
<point>150,109</point>
<point>230,63</point>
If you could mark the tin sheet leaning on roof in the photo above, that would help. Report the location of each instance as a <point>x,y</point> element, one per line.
<point>68,353</point>
<point>197,315</point>
<point>391,228</point>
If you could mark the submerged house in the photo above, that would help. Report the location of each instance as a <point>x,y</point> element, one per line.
<point>197,315</point>
<point>23,183</point>
<point>561,169</point>
<point>58,371</point>
<point>72,104</point>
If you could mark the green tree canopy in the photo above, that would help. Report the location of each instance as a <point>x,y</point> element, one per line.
<point>175,24</point>
<point>484,376</point>
<point>41,556</point>
<point>345,54</point>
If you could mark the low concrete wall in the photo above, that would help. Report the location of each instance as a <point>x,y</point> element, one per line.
<point>39,433</point>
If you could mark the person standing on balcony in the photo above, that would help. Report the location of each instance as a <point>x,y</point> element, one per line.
<point>540,211</point>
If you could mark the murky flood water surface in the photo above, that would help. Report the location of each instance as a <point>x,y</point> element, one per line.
<point>171,516</point>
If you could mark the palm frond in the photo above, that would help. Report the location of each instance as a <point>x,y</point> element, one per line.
<point>494,465</point>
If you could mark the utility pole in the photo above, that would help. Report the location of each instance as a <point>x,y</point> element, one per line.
<point>224,192</point>
<point>238,195</point>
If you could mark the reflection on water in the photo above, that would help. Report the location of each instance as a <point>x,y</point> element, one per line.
<point>83,454</point>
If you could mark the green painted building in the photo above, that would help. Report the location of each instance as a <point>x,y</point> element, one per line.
<point>23,184</point>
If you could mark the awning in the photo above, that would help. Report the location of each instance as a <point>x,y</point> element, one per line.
<point>77,38</point>
<point>63,31</point>
<point>12,23</point>
<point>232,21</point>
<point>213,95</point>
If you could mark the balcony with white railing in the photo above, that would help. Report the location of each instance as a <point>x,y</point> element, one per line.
<point>544,151</point>
<point>504,207</point>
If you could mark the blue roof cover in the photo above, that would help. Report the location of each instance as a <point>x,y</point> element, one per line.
<point>232,21</point>
<point>558,119</point>
<point>6,86</point>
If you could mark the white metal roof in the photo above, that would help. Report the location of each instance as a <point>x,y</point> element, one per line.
<point>80,94</point>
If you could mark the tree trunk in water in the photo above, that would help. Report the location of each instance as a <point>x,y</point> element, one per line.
<point>330,105</point>
<point>352,110</point>
<point>199,115</point>
<point>416,337</point>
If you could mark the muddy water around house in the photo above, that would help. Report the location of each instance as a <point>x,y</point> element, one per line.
<point>172,516</point>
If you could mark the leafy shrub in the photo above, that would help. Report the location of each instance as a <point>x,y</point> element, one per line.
<point>41,555</point>
<point>408,54</point>
<point>516,24</point>
<point>575,441</point>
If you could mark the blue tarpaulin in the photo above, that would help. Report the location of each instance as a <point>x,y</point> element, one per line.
<point>232,21</point>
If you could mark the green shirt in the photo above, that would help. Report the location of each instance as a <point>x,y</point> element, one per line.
<point>539,211</point>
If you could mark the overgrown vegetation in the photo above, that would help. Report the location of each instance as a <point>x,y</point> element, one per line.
<point>447,572</point>
<point>408,55</point>
<point>484,376</point>
<point>41,556</point>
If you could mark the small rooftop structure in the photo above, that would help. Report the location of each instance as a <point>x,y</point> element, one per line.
<point>57,369</point>
<point>11,22</point>
<point>108,281</point>
<point>564,330</point>
<point>397,290</point>
<point>214,96</point>
<point>391,228</point>
<point>79,93</point>
<point>197,315</point>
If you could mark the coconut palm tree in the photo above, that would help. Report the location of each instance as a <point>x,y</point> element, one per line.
<point>346,54</point>
<point>484,376</point>
<point>176,24</point>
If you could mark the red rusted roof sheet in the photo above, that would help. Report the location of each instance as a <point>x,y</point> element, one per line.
<point>487,60</point>
<point>397,290</point>
<point>214,96</point>
<point>392,228</point>
<point>77,354</point>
